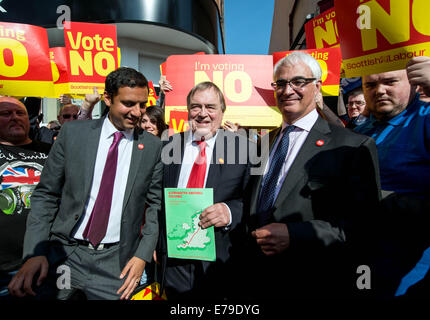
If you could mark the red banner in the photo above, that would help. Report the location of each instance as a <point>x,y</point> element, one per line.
<point>329,60</point>
<point>93,54</point>
<point>244,80</point>
<point>382,35</point>
<point>152,96</point>
<point>321,31</point>
<point>25,68</point>
<point>178,122</point>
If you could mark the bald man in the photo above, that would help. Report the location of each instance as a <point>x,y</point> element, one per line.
<point>21,163</point>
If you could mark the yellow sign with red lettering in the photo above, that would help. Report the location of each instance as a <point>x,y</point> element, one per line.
<point>152,96</point>
<point>382,35</point>
<point>25,68</point>
<point>92,55</point>
<point>243,79</point>
<point>329,60</point>
<point>321,31</point>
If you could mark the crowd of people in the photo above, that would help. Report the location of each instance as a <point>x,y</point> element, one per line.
<point>298,215</point>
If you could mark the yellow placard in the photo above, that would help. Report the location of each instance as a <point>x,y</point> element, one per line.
<point>265,116</point>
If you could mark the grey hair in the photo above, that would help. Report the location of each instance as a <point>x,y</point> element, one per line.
<point>296,57</point>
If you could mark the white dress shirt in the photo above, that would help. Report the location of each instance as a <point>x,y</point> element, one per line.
<point>191,152</point>
<point>125,149</point>
<point>297,138</point>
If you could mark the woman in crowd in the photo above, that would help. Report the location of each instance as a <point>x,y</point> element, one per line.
<point>153,121</point>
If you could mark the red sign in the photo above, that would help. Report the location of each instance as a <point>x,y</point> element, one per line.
<point>382,35</point>
<point>321,31</point>
<point>178,122</point>
<point>152,96</point>
<point>58,57</point>
<point>329,60</point>
<point>93,54</point>
<point>243,79</point>
<point>25,68</point>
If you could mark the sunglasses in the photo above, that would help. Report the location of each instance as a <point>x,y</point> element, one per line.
<point>67,116</point>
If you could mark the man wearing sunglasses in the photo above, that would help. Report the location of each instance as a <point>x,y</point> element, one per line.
<point>301,220</point>
<point>68,112</point>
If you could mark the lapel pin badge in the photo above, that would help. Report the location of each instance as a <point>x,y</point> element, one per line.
<point>221,160</point>
<point>320,143</point>
<point>140,146</point>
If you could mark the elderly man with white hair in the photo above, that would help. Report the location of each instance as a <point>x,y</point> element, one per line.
<point>310,207</point>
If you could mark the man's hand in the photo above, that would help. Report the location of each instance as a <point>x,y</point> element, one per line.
<point>272,238</point>
<point>217,215</point>
<point>90,100</point>
<point>134,268</point>
<point>319,100</point>
<point>164,84</point>
<point>154,256</point>
<point>233,127</point>
<point>20,286</point>
<point>418,70</point>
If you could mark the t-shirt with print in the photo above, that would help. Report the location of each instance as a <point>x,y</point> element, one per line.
<point>20,169</point>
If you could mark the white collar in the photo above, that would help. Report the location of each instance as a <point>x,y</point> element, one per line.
<point>109,129</point>
<point>210,142</point>
<point>305,123</point>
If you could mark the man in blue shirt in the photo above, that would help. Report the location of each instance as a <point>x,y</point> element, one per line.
<point>400,125</point>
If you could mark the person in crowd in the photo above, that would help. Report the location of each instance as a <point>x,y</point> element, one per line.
<point>310,208</point>
<point>37,132</point>
<point>67,113</point>
<point>87,210</point>
<point>54,125</point>
<point>423,96</point>
<point>203,154</point>
<point>357,111</point>
<point>86,110</point>
<point>153,121</point>
<point>165,86</point>
<point>21,162</point>
<point>400,124</point>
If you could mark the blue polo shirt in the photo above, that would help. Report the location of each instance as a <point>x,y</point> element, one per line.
<point>403,144</point>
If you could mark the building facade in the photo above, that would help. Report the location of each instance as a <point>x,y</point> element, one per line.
<point>148,31</point>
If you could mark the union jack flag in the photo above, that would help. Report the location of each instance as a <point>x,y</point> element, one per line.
<point>18,176</point>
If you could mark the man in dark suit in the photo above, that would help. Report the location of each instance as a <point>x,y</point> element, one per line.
<point>89,206</point>
<point>225,169</point>
<point>310,206</point>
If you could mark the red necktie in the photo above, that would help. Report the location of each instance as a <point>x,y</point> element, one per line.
<point>97,225</point>
<point>198,172</point>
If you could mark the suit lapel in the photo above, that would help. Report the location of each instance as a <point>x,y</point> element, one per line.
<point>215,169</point>
<point>137,158</point>
<point>320,131</point>
<point>91,146</point>
<point>259,179</point>
<point>173,170</point>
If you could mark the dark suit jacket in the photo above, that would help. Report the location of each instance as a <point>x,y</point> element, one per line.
<point>59,200</point>
<point>200,279</point>
<point>326,202</point>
